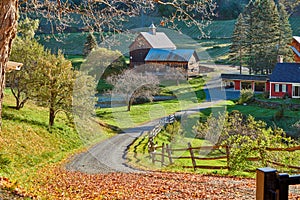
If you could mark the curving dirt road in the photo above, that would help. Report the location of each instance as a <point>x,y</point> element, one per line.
<point>110,155</point>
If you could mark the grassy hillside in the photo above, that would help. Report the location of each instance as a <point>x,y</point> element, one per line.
<point>28,144</point>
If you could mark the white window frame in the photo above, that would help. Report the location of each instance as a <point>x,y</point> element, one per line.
<point>276,87</point>
<point>283,87</point>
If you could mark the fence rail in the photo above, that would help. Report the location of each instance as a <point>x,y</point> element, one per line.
<point>163,155</point>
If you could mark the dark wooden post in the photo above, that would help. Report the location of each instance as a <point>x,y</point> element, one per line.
<point>169,154</point>
<point>163,154</point>
<point>192,155</point>
<point>283,192</point>
<point>266,183</point>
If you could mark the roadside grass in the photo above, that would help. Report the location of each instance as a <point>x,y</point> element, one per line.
<point>28,146</point>
<point>188,96</point>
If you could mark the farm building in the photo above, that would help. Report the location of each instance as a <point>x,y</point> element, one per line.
<point>285,79</point>
<point>296,48</point>
<point>257,83</point>
<point>156,48</point>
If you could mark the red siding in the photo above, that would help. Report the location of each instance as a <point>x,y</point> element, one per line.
<point>281,94</point>
<point>237,85</point>
<point>267,86</point>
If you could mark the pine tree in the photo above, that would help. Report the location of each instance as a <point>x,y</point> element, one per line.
<point>285,36</point>
<point>266,35</point>
<point>238,42</point>
<point>90,44</point>
<point>249,23</point>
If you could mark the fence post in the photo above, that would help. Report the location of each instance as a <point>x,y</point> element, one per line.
<point>228,156</point>
<point>163,154</point>
<point>153,157</point>
<point>283,186</point>
<point>192,155</point>
<point>169,154</point>
<point>266,183</point>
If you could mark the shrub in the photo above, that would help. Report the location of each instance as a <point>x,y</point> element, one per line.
<point>246,96</point>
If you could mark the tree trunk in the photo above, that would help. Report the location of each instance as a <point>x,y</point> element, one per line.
<point>51,117</point>
<point>8,29</point>
<point>130,103</point>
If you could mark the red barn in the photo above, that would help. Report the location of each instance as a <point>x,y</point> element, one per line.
<point>296,48</point>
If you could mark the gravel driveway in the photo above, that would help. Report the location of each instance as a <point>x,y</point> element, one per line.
<point>110,155</point>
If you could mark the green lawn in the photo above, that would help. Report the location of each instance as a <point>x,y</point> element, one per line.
<point>188,95</point>
<point>30,146</point>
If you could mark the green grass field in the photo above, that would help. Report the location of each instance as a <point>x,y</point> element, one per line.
<point>30,146</point>
<point>188,95</point>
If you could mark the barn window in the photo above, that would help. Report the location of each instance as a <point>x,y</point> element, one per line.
<point>276,87</point>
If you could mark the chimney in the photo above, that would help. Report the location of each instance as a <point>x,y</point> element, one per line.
<point>152,29</point>
<point>280,59</point>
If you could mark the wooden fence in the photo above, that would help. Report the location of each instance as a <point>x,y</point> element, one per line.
<point>164,155</point>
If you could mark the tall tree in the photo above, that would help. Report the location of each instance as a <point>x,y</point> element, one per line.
<point>266,36</point>
<point>238,46</point>
<point>8,28</point>
<point>285,34</point>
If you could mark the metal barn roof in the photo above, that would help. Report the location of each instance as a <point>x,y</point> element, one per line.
<point>177,55</point>
<point>296,51</point>
<point>297,38</point>
<point>158,40</point>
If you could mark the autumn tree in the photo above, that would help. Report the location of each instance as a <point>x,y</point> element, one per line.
<point>54,89</point>
<point>101,16</point>
<point>27,51</point>
<point>131,85</point>
<point>8,29</point>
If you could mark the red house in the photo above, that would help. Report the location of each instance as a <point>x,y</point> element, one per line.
<point>285,79</point>
<point>257,83</point>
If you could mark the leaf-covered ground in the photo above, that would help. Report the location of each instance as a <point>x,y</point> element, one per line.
<point>62,184</point>
<point>152,185</point>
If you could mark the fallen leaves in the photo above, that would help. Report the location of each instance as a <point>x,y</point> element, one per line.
<point>152,185</point>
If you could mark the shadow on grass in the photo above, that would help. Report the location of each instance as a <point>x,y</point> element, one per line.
<point>12,117</point>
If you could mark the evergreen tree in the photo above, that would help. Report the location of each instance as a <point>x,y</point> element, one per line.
<point>266,35</point>
<point>285,36</point>
<point>90,44</point>
<point>238,42</point>
<point>249,17</point>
